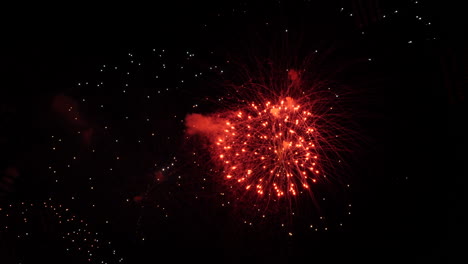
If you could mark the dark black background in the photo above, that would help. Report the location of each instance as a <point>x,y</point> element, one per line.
<point>420,135</point>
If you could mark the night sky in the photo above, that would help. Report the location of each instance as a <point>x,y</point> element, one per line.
<point>97,166</point>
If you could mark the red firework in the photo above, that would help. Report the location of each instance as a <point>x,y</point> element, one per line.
<point>278,139</point>
<point>270,148</point>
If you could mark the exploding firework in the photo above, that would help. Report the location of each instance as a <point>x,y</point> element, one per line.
<point>277,141</point>
<point>270,148</point>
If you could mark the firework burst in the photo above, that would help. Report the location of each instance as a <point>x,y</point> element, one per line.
<point>270,148</point>
<point>278,140</point>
